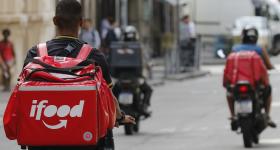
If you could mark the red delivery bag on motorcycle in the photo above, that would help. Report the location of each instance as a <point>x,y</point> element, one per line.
<point>245,66</point>
<point>60,101</point>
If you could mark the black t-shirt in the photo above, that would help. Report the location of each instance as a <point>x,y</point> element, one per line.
<point>70,47</point>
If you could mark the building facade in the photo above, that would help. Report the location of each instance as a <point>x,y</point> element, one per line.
<point>30,22</point>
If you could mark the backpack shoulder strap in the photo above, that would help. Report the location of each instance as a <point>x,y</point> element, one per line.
<point>84,52</point>
<point>42,49</point>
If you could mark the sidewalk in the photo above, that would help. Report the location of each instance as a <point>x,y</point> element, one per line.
<point>4,97</point>
<point>159,76</point>
<point>187,75</point>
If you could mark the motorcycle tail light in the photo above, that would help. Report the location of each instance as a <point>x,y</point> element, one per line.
<point>243,89</point>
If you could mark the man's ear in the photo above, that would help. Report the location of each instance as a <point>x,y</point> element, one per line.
<point>81,22</point>
<point>55,22</point>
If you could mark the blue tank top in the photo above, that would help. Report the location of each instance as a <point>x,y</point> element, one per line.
<point>247,47</point>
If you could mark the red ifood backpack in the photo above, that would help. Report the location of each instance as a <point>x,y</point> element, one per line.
<point>60,101</point>
<point>245,66</point>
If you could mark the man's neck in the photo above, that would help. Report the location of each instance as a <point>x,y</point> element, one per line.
<point>5,40</point>
<point>70,33</point>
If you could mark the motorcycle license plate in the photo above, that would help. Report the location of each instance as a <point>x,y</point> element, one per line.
<point>126,98</point>
<point>244,106</point>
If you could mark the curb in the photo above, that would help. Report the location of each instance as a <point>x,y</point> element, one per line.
<point>156,83</point>
<point>214,62</point>
<point>187,75</point>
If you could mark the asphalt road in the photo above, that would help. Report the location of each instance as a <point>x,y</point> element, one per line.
<point>193,115</point>
<point>187,115</point>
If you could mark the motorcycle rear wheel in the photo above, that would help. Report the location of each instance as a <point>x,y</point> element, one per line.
<point>137,125</point>
<point>256,139</point>
<point>246,127</point>
<point>128,129</point>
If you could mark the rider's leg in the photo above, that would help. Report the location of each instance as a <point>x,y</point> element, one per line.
<point>268,102</point>
<point>230,105</point>
<point>234,124</point>
<point>147,91</point>
<point>268,98</point>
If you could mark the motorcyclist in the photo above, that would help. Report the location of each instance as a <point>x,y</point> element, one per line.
<point>249,43</point>
<point>68,19</point>
<point>130,34</point>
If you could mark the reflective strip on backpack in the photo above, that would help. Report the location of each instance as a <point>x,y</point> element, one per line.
<point>42,50</point>
<point>84,52</point>
<point>57,88</point>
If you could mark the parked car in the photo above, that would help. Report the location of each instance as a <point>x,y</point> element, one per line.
<point>272,13</point>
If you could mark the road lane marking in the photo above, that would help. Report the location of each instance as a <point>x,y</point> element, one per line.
<point>270,141</point>
<point>227,127</point>
<point>167,130</point>
<point>204,128</point>
<point>276,104</point>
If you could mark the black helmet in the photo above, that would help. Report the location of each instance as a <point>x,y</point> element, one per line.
<point>250,35</point>
<point>130,33</point>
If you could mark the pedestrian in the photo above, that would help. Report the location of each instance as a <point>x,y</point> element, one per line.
<point>105,26</point>
<point>187,41</point>
<point>187,31</point>
<point>113,35</point>
<point>8,58</point>
<point>258,7</point>
<point>89,34</point>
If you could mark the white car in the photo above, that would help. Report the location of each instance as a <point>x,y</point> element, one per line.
<point>272,12</point>
<point>260,23</point>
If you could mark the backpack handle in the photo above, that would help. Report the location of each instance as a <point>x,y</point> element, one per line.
<point>42,50</point>
<point>84,52</point>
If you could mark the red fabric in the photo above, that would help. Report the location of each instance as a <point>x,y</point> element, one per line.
<point>10,119</point>
<point>245,66</point>
<point>106,94</point>
<point>42,50</point>
<point>6,50</point>
<point>84,52</point>
<point>98,113</point>
<point>58,130</point>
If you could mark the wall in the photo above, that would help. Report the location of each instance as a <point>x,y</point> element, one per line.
<point>30,22</point>
<point>214,17</point>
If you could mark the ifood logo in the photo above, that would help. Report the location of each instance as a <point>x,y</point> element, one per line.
<point>41,108</point>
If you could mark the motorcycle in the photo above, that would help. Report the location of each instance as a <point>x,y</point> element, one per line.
<point>246,79</point>
<point>126,68</point>
<point>249,105</point>
<point>131,102</point>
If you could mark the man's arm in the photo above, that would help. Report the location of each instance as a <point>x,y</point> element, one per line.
<point>267,61</point>
<point>30,54</point>
<point>118,109</point>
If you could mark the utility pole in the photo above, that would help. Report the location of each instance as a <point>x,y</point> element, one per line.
<point>177,51</point>
<point>124,10</point>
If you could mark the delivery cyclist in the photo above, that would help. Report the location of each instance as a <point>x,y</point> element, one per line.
<point>68,19</point>
<point>249,43</point>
